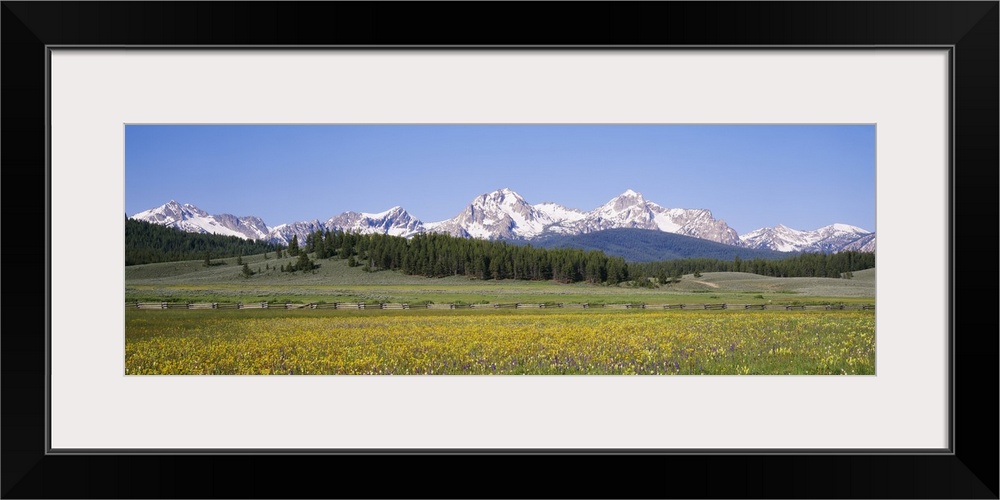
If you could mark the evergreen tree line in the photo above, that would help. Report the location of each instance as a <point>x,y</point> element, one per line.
<point>147,243</point>
<point>440,255</point>
<point>816,265</point>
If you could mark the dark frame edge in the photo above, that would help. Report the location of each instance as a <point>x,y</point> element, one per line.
<point>974,122</point>
<point>48,250</point>
<point>960,463</point>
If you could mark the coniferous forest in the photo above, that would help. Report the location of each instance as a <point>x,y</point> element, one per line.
<point>810,265</point>
<point>147,243</point>
<point>440,255</point>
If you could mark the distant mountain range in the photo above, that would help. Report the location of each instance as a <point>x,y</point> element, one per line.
<point>827,239</point>
<point>505,215</point>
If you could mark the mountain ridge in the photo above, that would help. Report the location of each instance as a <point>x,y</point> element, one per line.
<point>504,215</point>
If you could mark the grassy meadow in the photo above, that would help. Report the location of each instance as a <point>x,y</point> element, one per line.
<point>334,281</point>
<point>492,341</point>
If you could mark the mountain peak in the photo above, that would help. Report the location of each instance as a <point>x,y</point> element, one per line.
<point>624,201</point>
<point>190,218</point>
<point>395,222</point>
<point>847,228</point>
<point>629,197</point>
<point>502,194</point>
<point>396,210</point>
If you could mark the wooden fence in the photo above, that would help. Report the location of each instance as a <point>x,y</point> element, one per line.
<point>518,305</point>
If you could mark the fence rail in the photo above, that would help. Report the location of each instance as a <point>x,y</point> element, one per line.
<point>518,305</point>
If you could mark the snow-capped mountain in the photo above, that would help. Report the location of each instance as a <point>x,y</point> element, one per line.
<point>505,215</point>
<point>560,215</point>
<point>283,233</point>
<point>832,238</point>
<point>195,220</point>
<point>394,222</point>
<point>631,210</point>
<point>862,244</point>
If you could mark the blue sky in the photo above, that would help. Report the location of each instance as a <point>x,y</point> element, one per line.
<point>751,176</point>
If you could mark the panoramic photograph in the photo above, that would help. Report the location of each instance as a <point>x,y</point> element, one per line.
<point>500,250</point>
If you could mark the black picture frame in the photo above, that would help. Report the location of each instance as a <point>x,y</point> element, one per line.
<point>969,28</point>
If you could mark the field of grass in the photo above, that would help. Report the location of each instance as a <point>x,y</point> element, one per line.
<point>334,281</point>
<point>478,342</point>
<point>492,341</point>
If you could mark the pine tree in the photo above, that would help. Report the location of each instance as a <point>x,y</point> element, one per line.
<point>293,246</point>
<point>246,271</point>
<point>661,277</point>
<point>310,245</point>
<point>303,264</point>
<point>346,246</point>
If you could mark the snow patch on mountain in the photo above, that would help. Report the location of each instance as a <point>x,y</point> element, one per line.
<point>192,219</point>
<point>283,233</point>
<point>501,214</point>
<point>394,222</point>
<point>559,213</point>
<point>631,210</point>
<point>862,244</point>
<point>828,239</point>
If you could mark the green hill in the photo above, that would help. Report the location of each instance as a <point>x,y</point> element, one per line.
<point>644,245</point>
